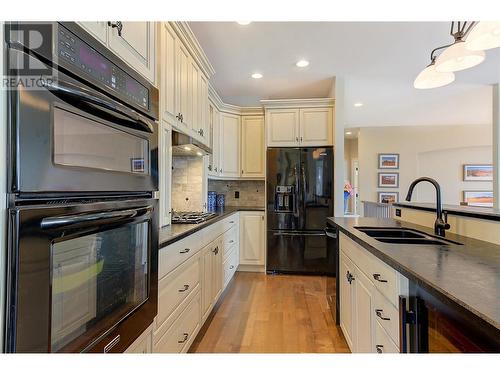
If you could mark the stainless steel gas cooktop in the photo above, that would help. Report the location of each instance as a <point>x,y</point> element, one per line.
<point>191,217</point>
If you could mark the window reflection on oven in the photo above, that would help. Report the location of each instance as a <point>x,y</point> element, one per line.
<point>96,280</point>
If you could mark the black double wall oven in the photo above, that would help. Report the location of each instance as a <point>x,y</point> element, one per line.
<point>83,213</point>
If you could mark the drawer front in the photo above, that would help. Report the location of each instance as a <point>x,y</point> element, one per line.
<point>230,221</point>
<point>181,334</point>
<point>174,288</point>
<point>383,344</point>
<point>178,252</point>
<point>383,276</point>
<point>230,265</point>
<point>229,240</point>
<point>387,316</point>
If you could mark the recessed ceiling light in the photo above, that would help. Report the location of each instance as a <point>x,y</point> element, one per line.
<point>257,75</point>
<point>348,133</point>
<point>187,148</point>
<point>302,63</point>
<point>243,23</point>
<point>358,104</point>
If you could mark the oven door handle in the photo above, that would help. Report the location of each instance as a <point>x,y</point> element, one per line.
<point>85,220</point>
<point>67,89</point>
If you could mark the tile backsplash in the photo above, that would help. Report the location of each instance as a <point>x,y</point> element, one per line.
<point>252,193</point>
<point>187,183</point>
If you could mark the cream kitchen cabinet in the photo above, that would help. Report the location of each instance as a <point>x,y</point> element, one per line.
<point>282,127</point>
<point>182,87</point>
<point>369,291</point>
<point>203,109</point>
<point>168,78</point>
<point>253,149</point>
<point>98,29</point>
<point>135,43</point>
<point>214,139</point>
<point>230,145</point>
<point>252,238</point>
<point>299,127</point>
<point>143,344</point>
<point>212,276</point>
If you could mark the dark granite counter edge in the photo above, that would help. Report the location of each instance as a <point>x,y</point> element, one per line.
<point>410,274</point>
<point>227,212</point>
<point>467,212</point>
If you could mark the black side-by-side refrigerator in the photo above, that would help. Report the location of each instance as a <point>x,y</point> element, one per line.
<point>299,199</point>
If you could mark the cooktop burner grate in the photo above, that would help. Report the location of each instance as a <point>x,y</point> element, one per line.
<point>191,217</point>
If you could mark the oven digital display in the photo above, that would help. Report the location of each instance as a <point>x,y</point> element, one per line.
<point>86,59</point>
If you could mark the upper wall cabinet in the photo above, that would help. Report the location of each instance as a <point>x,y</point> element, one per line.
<point>133,42</point>
<point>299,124</point>
<point>168,79</point>
<point>253,149</point>
<point>230,145</point>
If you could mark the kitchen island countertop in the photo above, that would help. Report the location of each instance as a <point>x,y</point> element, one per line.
<point>467,274</point>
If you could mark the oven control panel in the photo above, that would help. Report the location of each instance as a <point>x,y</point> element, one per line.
<point>86,59</point>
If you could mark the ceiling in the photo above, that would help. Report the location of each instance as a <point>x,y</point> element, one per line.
<point>377,60</point>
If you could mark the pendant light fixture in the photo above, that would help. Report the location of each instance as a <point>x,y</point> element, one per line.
<point>484,35</point>
<point>456,57</point>
<point>429,78</point>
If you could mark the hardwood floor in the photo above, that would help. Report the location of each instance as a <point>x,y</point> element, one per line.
<point>272,314</point>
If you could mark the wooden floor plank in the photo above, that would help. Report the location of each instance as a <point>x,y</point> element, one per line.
<point>273,314</point>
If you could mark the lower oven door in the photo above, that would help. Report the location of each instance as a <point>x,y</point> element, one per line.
<point>79,274</point>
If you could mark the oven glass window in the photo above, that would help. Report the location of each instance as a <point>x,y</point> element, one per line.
<point>96,280</point>
<point>82,142</point>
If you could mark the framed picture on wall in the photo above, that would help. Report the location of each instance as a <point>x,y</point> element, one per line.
<point>478,172</point>
<point>478,198</point>
<point>388,180</point>
<point>388,197</point>
<point>388,161</point>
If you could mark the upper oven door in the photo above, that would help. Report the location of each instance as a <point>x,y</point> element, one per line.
<point>68,137</point>
<point>76,273</point>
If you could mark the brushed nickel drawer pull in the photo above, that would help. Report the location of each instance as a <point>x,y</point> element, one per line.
<point>186,287</point>
<point>379,314</point>
<point>376,276</point>
<point>185,251</point>
<point>184,339</point>
<point>231,222</point>
<point>379,348</point>
<point>231,241</point>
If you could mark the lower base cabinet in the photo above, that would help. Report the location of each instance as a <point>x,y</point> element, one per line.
<point>369,290</point>
<point>143,344</point>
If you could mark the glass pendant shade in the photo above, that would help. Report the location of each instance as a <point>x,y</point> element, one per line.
<point>429,78</point>
<point>456,57</point>
<point>484,35</point>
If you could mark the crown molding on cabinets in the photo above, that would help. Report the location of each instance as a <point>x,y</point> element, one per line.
<point>230,108</point>
<point>298,103</point>
<point>187,36</point>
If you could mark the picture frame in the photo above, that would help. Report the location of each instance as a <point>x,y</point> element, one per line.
<point>137,165</point>
<point>388,197</point>
<point>388,179</point>
<point>478,198</point>
<point>478,172</point>
<point>388,161</point>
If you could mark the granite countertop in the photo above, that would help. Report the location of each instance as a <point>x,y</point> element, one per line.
<point>174,232</point>
<point>468,274</point>
<point>487,213</point>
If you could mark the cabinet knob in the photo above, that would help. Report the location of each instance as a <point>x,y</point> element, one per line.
<point>210,168</point>
<point>184,339</point>
<point>376,276</point>
<point>379,348</point>
<point>184,288</point>
<point>185,251</point>
<point>301,139</point>
<point>231,267</point>
<point>118,25</point>
<point>296,139</point>
<point>380,315</point>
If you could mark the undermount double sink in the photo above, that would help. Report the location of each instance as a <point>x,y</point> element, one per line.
<point>404,236</point>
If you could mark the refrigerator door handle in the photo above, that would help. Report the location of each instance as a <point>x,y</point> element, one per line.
<point>330,233</point>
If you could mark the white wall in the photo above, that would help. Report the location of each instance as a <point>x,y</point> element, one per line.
<point>438,152</point>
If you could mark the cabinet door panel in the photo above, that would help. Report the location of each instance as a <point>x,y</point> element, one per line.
<point>193,121</point>
<point>252,238</point>
<point>316,127</point>
<point>136,46</point>
<point>282,127</point>
<point>346,299</point>
<point>363,313</point>
<point>165,173</point>
<point>230,148</point>
<point>182,88</point>
<point>98,29</point>
<point>203,108</point>
<point>252,146</point>
<point>207,281</point>
<point>168,72</point>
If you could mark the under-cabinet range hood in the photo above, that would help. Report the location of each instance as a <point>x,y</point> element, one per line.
<point>184,145</point>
